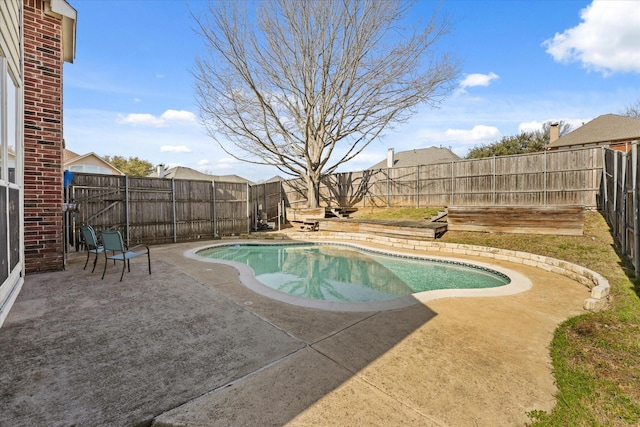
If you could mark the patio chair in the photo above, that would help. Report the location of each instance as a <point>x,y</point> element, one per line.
<point>92,245</point>
<point>112,242</point>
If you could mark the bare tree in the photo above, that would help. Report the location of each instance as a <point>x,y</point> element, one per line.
<point>545,133</point>
<point>633,110</point>
<point>306,85</point>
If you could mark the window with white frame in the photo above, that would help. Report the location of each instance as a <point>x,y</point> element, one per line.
<point>10,159</point>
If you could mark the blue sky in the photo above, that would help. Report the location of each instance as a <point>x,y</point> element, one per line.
<point>130,91</point>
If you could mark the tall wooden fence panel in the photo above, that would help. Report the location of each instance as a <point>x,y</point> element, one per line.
<point>232,208</point>
<point>620,200</point>
<point>193,210</point>
<point>435,186</point>
<point>567,177</point>
<point>100,201</point>
<point>149,206</point>
<point>156,210</point>
<point>267,204</point>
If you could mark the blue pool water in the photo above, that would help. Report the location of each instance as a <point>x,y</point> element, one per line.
<point>330,272</point>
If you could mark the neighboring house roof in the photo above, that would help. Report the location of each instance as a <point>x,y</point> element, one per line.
<point>89,163</point>
<point>275,178</point>
<point>605,129</point>
<point>182,172</point>
<point>419,156</point>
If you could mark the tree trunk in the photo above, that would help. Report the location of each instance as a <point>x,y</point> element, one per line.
<point>312,192</point>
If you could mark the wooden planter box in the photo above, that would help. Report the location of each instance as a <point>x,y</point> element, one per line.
<point>419,230</point>
<point>558,220</point>
<point>305,218</point>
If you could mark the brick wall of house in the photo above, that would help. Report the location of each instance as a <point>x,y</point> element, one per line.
<point>43,140</point>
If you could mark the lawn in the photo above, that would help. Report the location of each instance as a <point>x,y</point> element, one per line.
<point>596,356</point>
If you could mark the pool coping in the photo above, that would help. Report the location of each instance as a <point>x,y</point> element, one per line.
<point>597,284</point>
<point>519,282</point>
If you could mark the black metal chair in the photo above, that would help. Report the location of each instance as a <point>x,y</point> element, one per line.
<point>92,245</point>
<point>112,242</point>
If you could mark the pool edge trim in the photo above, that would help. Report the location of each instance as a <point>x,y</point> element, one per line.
<point>519,282</point>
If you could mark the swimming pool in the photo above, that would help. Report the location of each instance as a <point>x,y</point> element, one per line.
<point>348,277</point>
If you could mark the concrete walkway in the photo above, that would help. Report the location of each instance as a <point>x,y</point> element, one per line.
<point>189,345</point>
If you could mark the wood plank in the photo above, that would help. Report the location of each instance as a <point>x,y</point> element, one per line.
<point>557,220</point>
<point>406,229</point>
<point>304,214</point>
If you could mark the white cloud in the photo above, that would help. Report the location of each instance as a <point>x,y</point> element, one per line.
<point>140,119</point>
<point>530,126</point>
<point>222,167</point>
<point>472,80</point>
<point>175,149</point>
<point>478,133</point>
<point>179,116</point>
<point>605,41</point>
<point>145,119</point>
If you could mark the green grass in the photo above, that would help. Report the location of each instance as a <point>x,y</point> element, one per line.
<point>596,356</point>
<point>413,214</point>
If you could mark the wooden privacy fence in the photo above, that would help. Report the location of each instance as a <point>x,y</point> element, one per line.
<point>620,200</point>
<point>567,177</point>
<point>157,210</point>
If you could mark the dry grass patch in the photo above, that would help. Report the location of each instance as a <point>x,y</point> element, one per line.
<point>407,214</point>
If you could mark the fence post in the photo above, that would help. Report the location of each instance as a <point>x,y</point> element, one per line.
<point>636,219</point>
<point>265,208</point>
<point>280,206</point>
<point>173,207</point>
<point>545,176</point>
<point>605,197</point>
<point>418,186</point>
<point>213,208</point>
<point>387,187</point>
<point>615,191</point>
<point>248,213</point>
<point>623,193</point>
<point>126,207</point>
<point>493,182</point>
<point>453,182</point>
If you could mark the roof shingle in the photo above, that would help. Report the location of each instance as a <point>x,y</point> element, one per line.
<point>603,129</point>
<point>419,156</point>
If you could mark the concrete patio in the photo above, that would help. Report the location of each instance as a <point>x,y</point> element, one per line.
<point>189,345</point>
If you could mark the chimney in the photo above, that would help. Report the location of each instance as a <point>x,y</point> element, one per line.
<point>390,158</point>
<point>160,170</point>
<point>554,132</point>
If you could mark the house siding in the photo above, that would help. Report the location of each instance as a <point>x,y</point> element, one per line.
<point>43,139</point>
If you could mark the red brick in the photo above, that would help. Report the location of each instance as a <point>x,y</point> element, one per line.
<point>43,186</point>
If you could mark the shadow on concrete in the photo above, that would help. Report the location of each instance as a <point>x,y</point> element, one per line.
<point>188,345</point>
